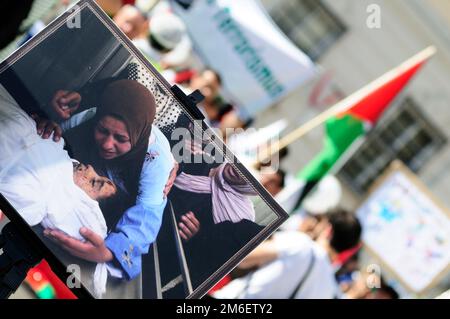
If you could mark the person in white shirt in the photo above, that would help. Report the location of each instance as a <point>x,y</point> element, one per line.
<point>290,265</point>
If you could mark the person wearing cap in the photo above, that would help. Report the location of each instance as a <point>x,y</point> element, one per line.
<point>154,36</point>
<point>166,32</point>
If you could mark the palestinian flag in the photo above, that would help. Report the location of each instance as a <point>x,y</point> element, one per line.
<point>46,284</point>
<point>361,111</point>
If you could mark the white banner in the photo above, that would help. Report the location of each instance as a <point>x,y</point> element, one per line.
<point>258,64</point>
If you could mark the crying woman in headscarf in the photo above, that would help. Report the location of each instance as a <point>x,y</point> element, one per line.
<point>117,138</point>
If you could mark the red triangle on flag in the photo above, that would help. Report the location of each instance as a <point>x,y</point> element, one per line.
<point>371,101</point>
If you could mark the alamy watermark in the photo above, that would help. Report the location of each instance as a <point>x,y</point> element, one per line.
<point>73,280</point>
<point>73,21</point>
<point>373,280</point>
<point>373,20</point>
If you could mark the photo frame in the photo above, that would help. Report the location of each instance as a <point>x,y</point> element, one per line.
<point>83,52</point>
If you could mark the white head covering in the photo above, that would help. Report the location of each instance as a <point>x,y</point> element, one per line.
<point>167,29</point>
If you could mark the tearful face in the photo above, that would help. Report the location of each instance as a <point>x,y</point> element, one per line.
<point>112,138</point>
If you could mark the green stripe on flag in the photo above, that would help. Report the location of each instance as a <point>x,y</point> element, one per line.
<point>340,132</point>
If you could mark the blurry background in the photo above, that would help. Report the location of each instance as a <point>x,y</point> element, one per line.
<point>332,48</point>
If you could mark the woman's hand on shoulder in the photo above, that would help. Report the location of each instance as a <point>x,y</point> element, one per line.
<point>46,127</point>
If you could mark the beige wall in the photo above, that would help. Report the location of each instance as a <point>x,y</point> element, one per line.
<point>441,8</point>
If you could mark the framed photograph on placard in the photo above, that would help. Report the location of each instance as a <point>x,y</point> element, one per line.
<point>112,173</point>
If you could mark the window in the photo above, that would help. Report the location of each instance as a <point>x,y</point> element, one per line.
<point>404,134</point>
<point>308,23</point>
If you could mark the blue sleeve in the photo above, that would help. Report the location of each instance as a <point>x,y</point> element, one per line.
<point>140,224</point>
<point>154,176</point>
<point>136,230</point>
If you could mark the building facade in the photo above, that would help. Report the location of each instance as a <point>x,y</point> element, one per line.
<point>351,51</point>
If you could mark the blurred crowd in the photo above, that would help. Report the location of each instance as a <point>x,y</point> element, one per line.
<point>162,37</point>
<point>315,254</point>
